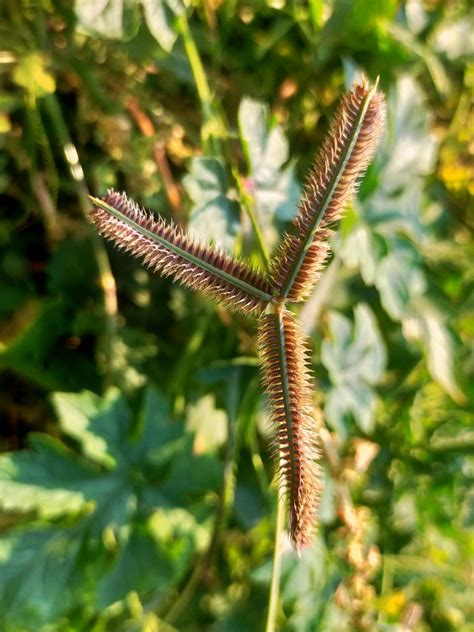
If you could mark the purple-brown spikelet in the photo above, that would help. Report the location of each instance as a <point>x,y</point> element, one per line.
<point>300,257</point>
<point>166,248</point>
<point>344,155</point>
<point>288,384</point>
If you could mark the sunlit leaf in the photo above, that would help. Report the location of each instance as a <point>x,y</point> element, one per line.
<point>51,483</point>
<point>208,424</point>
<point>36,577</point>
<point>363,249</point>
<point>270,182</point>
<point>32,75</point>
<point>408,150</point>
<point>355,359</point>
<point>429,325</point>
<point>214,216</point>
<point>159,19</point>
<point>132,469</point>
<point>399,280</point>
<point>115,19</point>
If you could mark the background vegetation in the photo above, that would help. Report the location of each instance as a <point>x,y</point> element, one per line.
<point>135,484</point>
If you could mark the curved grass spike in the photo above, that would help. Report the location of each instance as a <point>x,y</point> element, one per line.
<point>287,381</point>
<point>168,249</point>
<point>347,151</point>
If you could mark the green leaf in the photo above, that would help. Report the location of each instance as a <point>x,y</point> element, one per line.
<point>113,19</point>
<point>306,586</point>
<point>189,475</point>
<point>49,481</point>
<point>208,424</point>
<point>264,144</point>
<point>360,402</point>
<point>40,352</point>
<point>355,360</point>
<point>273,186</point>
<point>129,494</point>
<point>97,424</point>
<point>362,249</point>
<point>31,74</point>
<point>358,17</point>
<point>165,544</point>
<point>429,325</point>
<point>388,214</point>
<point>408,150</point>
<point>159,16</point>
<point>214,216</point>
<point>399,280</point>
<point>37,577</point>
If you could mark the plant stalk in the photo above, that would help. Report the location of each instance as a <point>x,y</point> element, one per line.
<point>106,278</point>
<point>224,503</point>
<point>213,128</point>
<point>276,568</point>
<point>248,202</point>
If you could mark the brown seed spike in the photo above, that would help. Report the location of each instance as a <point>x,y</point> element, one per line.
<point>298,262</point>
<point>166,248</point>
<point>345,154</point>
<point>288,385</point>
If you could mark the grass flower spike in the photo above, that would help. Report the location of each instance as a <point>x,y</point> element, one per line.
<point>166,248</point>
<point>344,155</point>
<point>294,269</point>
<point>288,383</point>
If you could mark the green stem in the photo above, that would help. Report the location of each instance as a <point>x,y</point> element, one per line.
<point>42,139</point>
<point>225,502</point>
<point>248,202</point>
<point>106,278</point>
<point>386,585</point>
<point>213,128</point>
<point>276,569</point>
<point>257,462</point>
<point>316,13</point>
<point>186,366</point>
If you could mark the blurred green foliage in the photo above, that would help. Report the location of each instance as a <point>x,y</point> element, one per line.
<point>135,482</point>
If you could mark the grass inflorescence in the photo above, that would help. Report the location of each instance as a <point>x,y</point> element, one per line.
<point>294,269</point>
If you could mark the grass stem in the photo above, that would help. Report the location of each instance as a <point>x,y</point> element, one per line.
<point>248,203</point>
<point>225,501</point>
<point>106,278</point>
<point>276,568</point>
<point>213,128</point>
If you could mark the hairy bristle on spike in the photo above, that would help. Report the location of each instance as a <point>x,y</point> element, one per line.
<point>287,381</point>
<point>166,248</point>
<point>344,155</point>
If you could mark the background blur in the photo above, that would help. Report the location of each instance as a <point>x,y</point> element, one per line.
<point>131,413</point>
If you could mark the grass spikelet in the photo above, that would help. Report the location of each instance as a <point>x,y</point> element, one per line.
<point>166,248</point>
<point>300,257</point>
<point>344,155</point>
<point>288,384</point>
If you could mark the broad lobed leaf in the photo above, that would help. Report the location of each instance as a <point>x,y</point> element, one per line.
<point>128,487</point>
